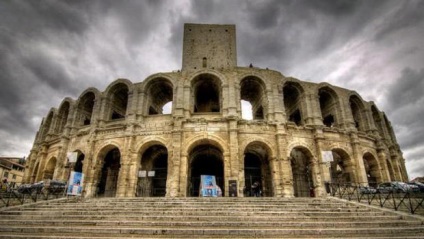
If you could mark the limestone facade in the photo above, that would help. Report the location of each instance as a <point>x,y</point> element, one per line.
<point>126,129</point>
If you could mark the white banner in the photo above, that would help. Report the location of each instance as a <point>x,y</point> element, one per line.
<point>142,174</point>
<point>72,157</point>
<point>327,156</point>
<point>151,173</point>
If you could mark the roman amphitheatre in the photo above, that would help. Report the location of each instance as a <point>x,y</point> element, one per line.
<point>183,124</point>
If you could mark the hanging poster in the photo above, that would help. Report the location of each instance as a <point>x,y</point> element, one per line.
<point>208,186</point>
<point>75,184</point>
<point>327,156</point>
<point>72,157</point>
<point>142,174</point>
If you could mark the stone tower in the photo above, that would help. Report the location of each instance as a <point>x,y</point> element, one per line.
<point>209,46</point>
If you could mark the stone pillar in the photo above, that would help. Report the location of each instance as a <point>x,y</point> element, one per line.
<point>270,110</point>
<point>383,164</point>
<point>173,182</point>
<point>287,180</point>
<point>233,100</point>
<point>183,176</point>
<point>357,160</point>
<point>132,175</point>
<point>283,174</point>
<point>312,115</point>
<point>274,165</point>
<point>319,189</point>
<point>123,176</point>
<point>224,99</point>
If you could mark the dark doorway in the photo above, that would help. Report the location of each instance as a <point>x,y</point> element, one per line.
<point>252,172</point>
<point>79,164</point>
<point>205,160</point>
<point>302,174</point>
<point>109,175</point>
<point>154,160</point>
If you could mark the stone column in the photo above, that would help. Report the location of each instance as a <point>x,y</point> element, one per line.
<point>383,164</point>
<point>287,180</point>
<point>312,114</point>
<point>274,165</point>
<point>173,182</point>
<point>357,160</point>
<point>182,190</point>
<point>132,175</point>
<point>283,175</point>
<point>319,190</point>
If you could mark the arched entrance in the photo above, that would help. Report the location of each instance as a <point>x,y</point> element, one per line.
<point>257,169</point>
<point>303,184</point>
<point>49,170</point>
<point>371,170</point>
<point>341,168</point>
<point>79,163</point>
<point>153,172</point>
<point>204,159</point>
<point>108,178</point>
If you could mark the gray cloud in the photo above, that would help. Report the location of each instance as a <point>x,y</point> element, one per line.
<point>54,49</point>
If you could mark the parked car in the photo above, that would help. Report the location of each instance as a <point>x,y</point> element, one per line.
<point>367,190</point>
<point>417,186</point>
<point>393,187</point>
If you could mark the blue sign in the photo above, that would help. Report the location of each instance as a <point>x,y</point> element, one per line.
<point>75,184</point>
<point>208,186</point>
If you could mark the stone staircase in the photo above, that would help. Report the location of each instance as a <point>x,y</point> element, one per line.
<point>206,218</point>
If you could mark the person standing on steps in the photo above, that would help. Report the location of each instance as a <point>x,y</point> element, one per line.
<point>256,189</point>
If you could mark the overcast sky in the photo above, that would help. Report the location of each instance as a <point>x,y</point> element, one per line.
<point>50,50</point>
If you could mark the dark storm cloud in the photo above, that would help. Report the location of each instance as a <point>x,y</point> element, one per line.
<point>407,90</point>
<point>407,15</point>
<point>404,102</point>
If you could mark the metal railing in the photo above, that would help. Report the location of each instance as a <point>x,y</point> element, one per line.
<point>409,201</point>
<point>11,196</point>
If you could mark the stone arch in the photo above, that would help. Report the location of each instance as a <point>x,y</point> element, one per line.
<point>389,128</point>
<point>205,139</point>
<point>206,93</point>
<point>304,170</point>
<point>329,105</point>
<point>377,120</point>
<point>63,115</point>
<point>117,94</point>
<point>34,174</point>
<point>372,169</point>
<point>107,170</point>
<point>85,106</point>
<point>257,167</point>
<point>154,157</point>
<point>341,169</point>
<point>49,169</point>
<point>159,92</point>
<point>292,100</point>
<point>205,156</point>
<point>300,144</point>
<point>47,124</point>
<point>357,109</point>
<point>253,90</point>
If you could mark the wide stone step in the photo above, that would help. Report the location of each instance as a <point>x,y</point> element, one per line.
<point>205,218</point>
<point>292,217</point>
<point>237,224</point>
<point>226,231</point>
